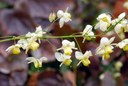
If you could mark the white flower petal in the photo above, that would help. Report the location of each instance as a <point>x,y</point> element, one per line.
<point>97,25</point>
<point>43,59</point>
<point>60,13</point>
<point>78,55</point>
<point>59,56</point>
<point>61,22</point>
<point>87,29</point>
<point>111,40</point>
<point>103,26</point>
<point>66,56</point>
<point>118,28</point>
<point>122,15</point>
<point>104,40</point>
<point>88,54</point>
<point>31,59</point>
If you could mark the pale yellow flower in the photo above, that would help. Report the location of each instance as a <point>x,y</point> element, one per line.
<point>64,17</point>
<point>64,59</point>
<point>84,58</point>
<point>37,62</point>
<point>52,17</point>
<point>15,49</point>
<point>67,47</point>
<point>105,47</point>
<point>123,45</point>
<point>87,33</point>
<point>104,21</point>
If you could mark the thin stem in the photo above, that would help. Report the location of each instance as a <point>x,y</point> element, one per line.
<point>70,36</point>
<point>51,25</point>
<point>77,44</point>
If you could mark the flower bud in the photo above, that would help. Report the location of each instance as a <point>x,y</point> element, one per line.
<point>52,17</point>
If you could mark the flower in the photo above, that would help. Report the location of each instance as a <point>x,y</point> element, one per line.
<point>87,33</point>
<point>105,47</point>
<point>121,28</point>
<point>104,21</point>
<point>15,49</point>
<point>52,17</point>
<point>37,62</point>
<point>37,34</point>
<point>67,46</point>
<point>123,45</point>
<point>65,59</point>
<point>27,44</point>
<point>84,58</point>
<point>64,17</point>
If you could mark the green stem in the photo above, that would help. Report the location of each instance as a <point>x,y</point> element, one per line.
<point>77,44</point>
<point>70,36</point>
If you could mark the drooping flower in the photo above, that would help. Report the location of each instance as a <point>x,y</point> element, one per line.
<point>87,33</point>
<point>105,47</point>
<point>37,62</point>
<point>84,58</point>
<point>67,47</point>
<point>64,17</point>
<point>65,59</point>
<point>123,44</point>
<point>104,21</point>
<point>15,49</point>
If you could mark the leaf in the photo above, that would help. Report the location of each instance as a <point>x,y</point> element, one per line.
<point>47,76</point>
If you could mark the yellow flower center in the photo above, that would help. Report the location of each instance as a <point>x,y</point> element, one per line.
<point>85,62</point>
<point>67,62</point>
<point>106,56</point>
<point>88,38</point>
<point>67,51</point>
<point>125,48</point>
<point>108,49</point>
<point>68,15</point>
<point>16,50</point>
<point>34,45</point>
<point>105,19</point>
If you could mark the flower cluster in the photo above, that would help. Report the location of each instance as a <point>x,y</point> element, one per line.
<point>65,58</point>
<point>64,53</point>
<point>28,42</point>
